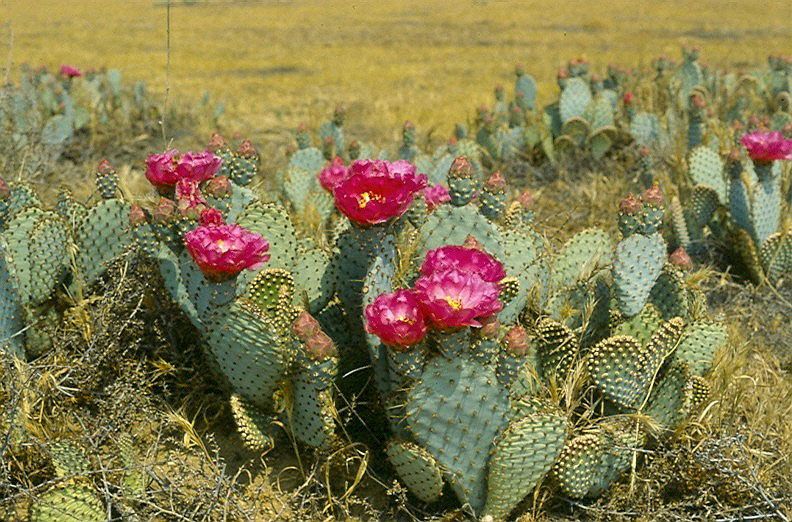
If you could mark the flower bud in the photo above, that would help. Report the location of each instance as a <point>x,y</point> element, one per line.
<point>680,259</point>
<point>516,340</point>
<point>137,216</point>
<point>305,326</point>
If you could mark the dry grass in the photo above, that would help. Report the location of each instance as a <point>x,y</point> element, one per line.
<point>277,63</point>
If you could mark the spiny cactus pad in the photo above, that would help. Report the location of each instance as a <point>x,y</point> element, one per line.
<point>637,264</point>
<point>705,167</point>
<point>522,455</point>
<point>68,503</point>
<point>253,426</point>
<point>580,257</point>
<point>103,235</point>
<point>417,468</point>
<point>699,343</point>
<point>459,431</point>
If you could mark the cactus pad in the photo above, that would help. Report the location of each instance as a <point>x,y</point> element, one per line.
<point>776,256</point>
<point>459,431</point>
<point>417,468</point>
<point>68,503</point>
<point>522,455</point>
<point>705,167</point>
<point>253,426</point>
<point>580,257</point>
<point>699,343</point>
<point>101,237</point>
<point>637,264</point>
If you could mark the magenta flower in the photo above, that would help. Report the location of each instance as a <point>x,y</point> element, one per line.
<point>189,199</point>
<point>70,71</point>
<point>464,259</point>
<point>453,299</point>
<point>198,166</point>
<point>333,174</point>
<point>161,169</point>
<point>223,251</point>
<point>397,319</point>
<point>766,147</point>
<point>435,196</point>
<point>376,191</point>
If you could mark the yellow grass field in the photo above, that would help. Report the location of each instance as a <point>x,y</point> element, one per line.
<point>276,64</point>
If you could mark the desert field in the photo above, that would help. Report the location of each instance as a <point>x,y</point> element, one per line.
<point>278,63</point>
<point>199,335</point>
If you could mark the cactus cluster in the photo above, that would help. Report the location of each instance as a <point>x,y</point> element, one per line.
<point>47,252</point>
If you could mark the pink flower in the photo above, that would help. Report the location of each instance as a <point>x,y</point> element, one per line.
<point>198,166</point>
<point>211,217</point>
<point>377,191</point>
<point>161,169</point>
<point>69,71</point>
<point>189,199</point>
<point>333,174</point>
<point>222,251</point>
<point>453,299</point>
<point>397,319</point>
<point>435,196</point>
<point>628,97</point>
<point>766,147</point>
<point>464,259</point>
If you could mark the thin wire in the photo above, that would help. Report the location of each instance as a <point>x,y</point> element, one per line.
<point>167,72</point>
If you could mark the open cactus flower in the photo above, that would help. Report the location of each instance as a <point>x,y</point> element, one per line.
<point>372,192</point>
<point>454,298</point>
<point>767,147</point>
<point>397,318</point>
<point>166,169</point>
<point>222,251</point>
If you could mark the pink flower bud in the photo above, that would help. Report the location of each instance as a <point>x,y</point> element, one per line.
<point>653,196</point>
<point>681,259</point>
<point>211,217</point>
<point>166,209</point>
<point>436,195</point>
<point>333,174</point>
<point>460,168</point>
<point>305,326</point>
<point>496,183</point>
<point>630,205</point>
<point>526,199</point>
<point>247,150</point>
<point>218,187</point>
<point>628,98</point>
<point>70,71</point>
<point>516,340</point>
<point>216,142</point>
<point>136,216</point>
<point>105,168</point>
<point>320,346</point>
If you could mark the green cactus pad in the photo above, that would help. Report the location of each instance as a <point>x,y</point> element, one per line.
<point>746,249</point>
<point>272,222</point>
<point>521,261</point>
<point>248,350</point>
<point>10,310</point>
<point>22,197</point>
<point>669,403</point>
<point>623,370</point>
<point>699,343</point>
<point>574,99</point>
<point>766,205</point>
<point>704,202</point>
<point>580,257</point>
<point>646,130</point>
<point>522,455</point>
<point>641,326</point>
<point>68,459</point>
<point>705,167</point>
<point>740,205</point>
<point>449,225</point>
<point>36,253</point>
<point>455,411</point>
<point>579,467</point>
<point>270,290</point>
<point>253,426</point>
<point>601,142</point>
<point>576,129</point>
<point>637,264</point>
<point>669,293</point>
<point>104,235</point>
<point>556,348</point>
<point>313,409</point>
<point>417,468</point>
<point>68,503</point>
<point>680,225</point>
<point>314,280</point>
<point>776,256</point>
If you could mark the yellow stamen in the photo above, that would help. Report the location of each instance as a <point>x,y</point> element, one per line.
<point>366,197</point>
<point>456,304</point>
